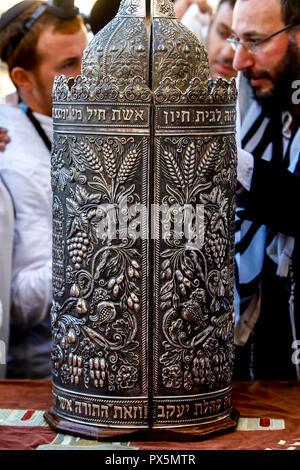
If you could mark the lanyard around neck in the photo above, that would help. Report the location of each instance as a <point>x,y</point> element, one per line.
<point>36,125</point>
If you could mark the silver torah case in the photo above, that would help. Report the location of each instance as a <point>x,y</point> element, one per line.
<point>143,176</point>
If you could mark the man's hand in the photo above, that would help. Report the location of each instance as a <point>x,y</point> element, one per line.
<point>181,6</point>
<point>4,139</point>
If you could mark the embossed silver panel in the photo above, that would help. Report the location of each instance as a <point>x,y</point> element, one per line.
<point>142,314</point>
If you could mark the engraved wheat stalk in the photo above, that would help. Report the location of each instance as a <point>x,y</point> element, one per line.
<point>208,159</point>
<point>189,164</point>
<point>173,169</point>
<point>109,161</point>
<point>128,166</point>
<point>84,151</point>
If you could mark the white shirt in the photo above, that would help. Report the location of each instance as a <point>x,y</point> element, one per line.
<point>25,168</point>
<point>6,245</point>
<point>197,22</point>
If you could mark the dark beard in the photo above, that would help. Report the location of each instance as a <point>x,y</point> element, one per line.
<point>279,98</point>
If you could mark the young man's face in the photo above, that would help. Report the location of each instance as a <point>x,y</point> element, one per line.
<point>60,54</point>
<point>277,61</point>
<point>220,52</point>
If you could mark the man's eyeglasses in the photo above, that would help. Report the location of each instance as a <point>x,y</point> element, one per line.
<point>253,46</point>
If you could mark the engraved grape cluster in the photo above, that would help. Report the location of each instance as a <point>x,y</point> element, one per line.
<point>75,368</point>
<point>217,246</point>
<point>77,248</point>
<point>97,370</point>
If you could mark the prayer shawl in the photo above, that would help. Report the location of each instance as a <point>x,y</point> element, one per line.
<point>267,139</point>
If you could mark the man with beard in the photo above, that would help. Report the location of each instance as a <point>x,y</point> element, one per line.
<point>266,38</point>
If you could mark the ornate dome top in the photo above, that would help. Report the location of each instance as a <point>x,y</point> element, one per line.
<point>119,64</point>
<point>120,49</point>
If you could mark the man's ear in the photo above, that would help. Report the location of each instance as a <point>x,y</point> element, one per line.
<point>21,78</point>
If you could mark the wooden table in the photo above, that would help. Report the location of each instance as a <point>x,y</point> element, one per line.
<point>269,419</point>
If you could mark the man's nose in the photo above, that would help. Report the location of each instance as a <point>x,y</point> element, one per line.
<point>242,58</point>
<point>227,51</point>
<point>78,68</point>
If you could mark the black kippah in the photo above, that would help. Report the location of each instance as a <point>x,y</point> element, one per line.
<point>63,9</point>
<point>15,11</point>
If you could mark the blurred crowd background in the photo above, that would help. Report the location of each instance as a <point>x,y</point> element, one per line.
<point>85,7</point>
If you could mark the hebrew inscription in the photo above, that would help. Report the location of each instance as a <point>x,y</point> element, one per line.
<point>103,115</point>
<point>195,116</point>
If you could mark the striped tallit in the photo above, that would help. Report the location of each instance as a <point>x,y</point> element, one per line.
<point>272,139</point>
